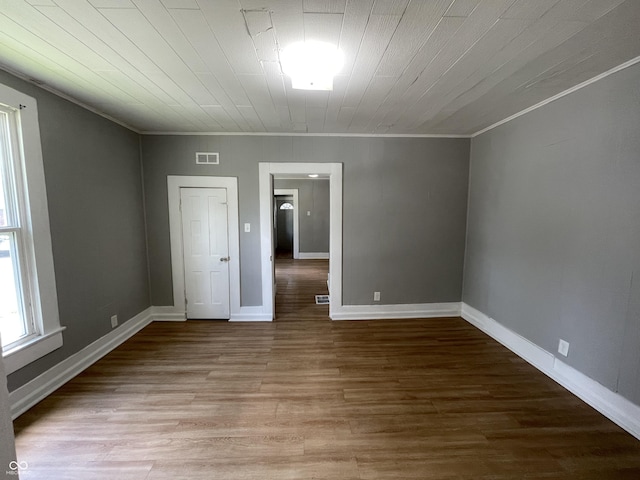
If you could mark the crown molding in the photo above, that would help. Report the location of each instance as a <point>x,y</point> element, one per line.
<point>297,134</point>
<point>64,96</point>
<point>580,86</point>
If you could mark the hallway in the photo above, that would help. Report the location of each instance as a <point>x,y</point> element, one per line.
<point>298,282</point>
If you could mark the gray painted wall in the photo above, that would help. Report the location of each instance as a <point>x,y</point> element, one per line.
<point>94,191</point>
<point>553,247</point>
<point>404,209</point>
<point>313,196</point>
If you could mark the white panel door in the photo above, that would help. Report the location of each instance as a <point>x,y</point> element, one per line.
<point>205,240</point>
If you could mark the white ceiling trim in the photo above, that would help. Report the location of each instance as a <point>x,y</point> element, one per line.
<point>68,98</point>
<point>575,88</point>
<point>580,86</point>
<point>294,134</point>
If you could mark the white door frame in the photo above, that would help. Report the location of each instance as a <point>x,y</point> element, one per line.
<point>266,171</point>
<point>296,217</point>
<point>174,184</point>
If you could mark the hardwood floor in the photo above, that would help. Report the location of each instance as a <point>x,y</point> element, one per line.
<point>307,398</point>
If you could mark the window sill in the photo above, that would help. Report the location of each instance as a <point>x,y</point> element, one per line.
<point>30,351</point>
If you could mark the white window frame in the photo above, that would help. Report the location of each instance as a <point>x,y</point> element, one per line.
<point>38,268</point>
<point>20,248</point>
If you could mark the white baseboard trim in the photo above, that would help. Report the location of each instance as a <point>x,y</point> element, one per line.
<point>529,351</point>
<point>246,314</point>
<point>26,396</point>
<point>389,312</point>
<point>611,404</point>
<point>313,256</point>
<point>251,314</point>
<point>167,314</point>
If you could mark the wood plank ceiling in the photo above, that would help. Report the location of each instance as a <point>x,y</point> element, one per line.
<point>412,67</point>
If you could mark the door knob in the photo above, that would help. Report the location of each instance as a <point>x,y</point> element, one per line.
<point>225,259</point>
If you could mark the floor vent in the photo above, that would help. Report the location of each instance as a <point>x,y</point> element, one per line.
<point>322,299</point>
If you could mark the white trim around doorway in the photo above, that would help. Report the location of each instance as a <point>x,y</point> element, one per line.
<point>174,184</point>
<point>267,171</point>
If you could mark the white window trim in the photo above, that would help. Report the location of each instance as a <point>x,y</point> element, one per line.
<point>37,231</point>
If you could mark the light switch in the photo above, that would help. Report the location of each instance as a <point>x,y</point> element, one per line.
<point>308,213</point>
<point>247,227</point>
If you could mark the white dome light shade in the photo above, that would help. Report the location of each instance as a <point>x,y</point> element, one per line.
<point>312,65</point>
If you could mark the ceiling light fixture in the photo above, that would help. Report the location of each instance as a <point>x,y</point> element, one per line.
<point>312,65</point>
<point>313,175</point>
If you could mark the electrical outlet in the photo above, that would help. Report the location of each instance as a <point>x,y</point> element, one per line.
<point>563,347</point>
<point>114,321</point>
<point>376,296</point>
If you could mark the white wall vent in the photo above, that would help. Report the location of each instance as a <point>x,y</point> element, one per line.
<point>207,158</point>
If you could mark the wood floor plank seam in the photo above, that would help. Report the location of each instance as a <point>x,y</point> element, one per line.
<point>307,398</point>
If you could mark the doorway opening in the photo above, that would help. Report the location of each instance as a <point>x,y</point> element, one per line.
<point>268,172</point>
<point>301,217</point>
<point>286,222</point>
<point>284,212</point>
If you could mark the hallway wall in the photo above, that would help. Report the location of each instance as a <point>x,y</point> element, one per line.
<point>313,196</point>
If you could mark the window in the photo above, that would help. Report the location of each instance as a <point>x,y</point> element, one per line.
<point>29,322</point>
<point>16,322</point>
